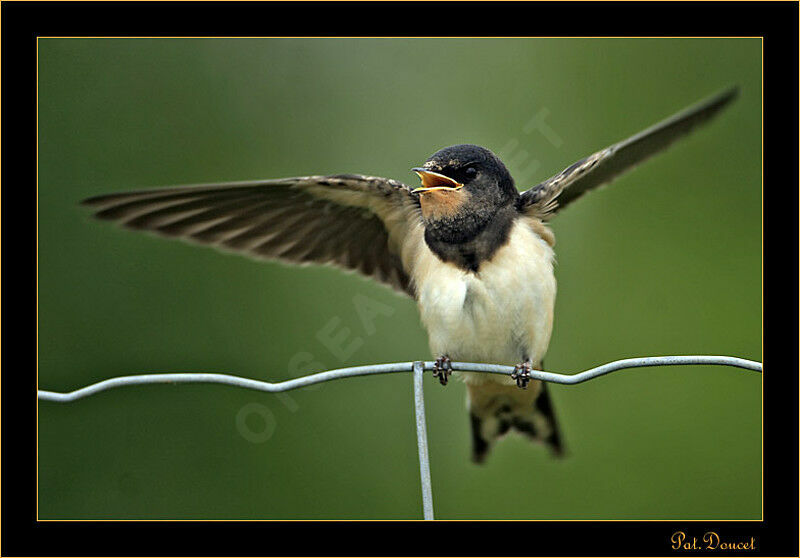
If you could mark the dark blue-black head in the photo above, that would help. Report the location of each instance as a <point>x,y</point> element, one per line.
<point>471,167</point>
<point>464,189</point>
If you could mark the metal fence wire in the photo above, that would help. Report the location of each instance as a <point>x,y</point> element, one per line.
<point>417,367</point>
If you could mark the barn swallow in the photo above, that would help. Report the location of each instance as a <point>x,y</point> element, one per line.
<point>472,251</point>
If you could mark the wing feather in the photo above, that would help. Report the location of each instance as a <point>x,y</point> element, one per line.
<point>605,165</point>
<point>355,222</point>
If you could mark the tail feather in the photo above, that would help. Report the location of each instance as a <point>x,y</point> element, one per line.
<point>544,406</point>
<point>496,409</point>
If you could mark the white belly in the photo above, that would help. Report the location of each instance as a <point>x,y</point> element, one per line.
<point>503,314</point>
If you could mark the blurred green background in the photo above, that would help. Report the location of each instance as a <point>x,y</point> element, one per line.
<point>667,260</point>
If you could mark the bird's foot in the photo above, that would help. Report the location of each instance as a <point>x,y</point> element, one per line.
<point>522,374</point>
<point>442,368</point>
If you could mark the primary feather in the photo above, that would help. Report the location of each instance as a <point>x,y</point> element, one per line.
<point>351,221</point>
<point>605,165</point>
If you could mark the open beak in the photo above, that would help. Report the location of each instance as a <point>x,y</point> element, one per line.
<point>434,181</point>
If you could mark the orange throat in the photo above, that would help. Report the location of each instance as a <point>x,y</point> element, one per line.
<point>437,204</point>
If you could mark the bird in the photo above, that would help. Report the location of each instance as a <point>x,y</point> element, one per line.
<point>474,252</point>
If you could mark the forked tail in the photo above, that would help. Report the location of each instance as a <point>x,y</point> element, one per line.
<point>495,409</point>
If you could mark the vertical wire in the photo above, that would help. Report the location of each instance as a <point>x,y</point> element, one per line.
<point>422,442</point>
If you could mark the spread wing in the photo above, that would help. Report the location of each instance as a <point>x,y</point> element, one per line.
<point>605,165</point>
<point>355,222</point>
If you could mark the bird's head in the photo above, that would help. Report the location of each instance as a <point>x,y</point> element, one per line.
<point>463,186</point>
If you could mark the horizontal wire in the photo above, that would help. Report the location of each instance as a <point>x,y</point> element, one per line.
<point>258,385</point>
<point>416,367</point>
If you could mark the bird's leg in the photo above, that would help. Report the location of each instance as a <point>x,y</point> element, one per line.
<point>522,374</point>
<point>442,369</point>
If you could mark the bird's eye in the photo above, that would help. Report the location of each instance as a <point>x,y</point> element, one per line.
<point>470,171</point>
